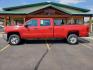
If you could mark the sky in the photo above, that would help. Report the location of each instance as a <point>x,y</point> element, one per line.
<point>78,3</point>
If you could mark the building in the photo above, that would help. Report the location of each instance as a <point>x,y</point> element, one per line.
<point>69,14</point>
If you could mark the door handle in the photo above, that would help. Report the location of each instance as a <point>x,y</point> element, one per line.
<point>50,28</point>
<point>35,28</point>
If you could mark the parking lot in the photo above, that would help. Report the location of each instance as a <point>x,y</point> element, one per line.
<point>47,55</point>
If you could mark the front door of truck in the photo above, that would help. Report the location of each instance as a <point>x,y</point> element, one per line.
<point>46,27</point>
<point>31,31</point>
<point>59,31</point>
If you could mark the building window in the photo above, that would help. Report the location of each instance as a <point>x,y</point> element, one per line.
<point>32,22</point>
<point>8,22</point>
<point>18,21</point>
<point>45,22</point>
<point>78,21</point>
<point>59,22</point>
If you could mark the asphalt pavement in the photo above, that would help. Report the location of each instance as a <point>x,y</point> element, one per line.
<point>47,55</point>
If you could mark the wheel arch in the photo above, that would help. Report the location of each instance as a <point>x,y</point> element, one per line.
<point>73,32</point>
<point>10,33</point>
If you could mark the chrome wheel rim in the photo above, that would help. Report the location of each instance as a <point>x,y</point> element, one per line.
<point>73,40</point>
<point>14,40</point>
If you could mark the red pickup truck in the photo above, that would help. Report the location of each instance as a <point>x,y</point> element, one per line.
<point>45,28</point>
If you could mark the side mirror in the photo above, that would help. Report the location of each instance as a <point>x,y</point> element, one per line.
<point>26,26</point>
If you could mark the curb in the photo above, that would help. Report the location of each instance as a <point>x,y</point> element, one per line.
<point>1,32</point>
<point>0,35</point>
<point>90,37</point>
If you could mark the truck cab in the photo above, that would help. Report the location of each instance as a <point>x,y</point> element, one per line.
<point>46,28</point>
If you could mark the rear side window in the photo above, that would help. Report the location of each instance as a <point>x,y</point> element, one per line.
<point>45,22</point>
<point>32,22</point>
<point>58,22</point>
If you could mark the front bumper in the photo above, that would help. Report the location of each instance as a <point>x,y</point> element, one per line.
<point>5,36</point>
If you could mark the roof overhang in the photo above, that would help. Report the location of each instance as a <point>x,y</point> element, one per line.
<point>86,15</point>
<point>45,3</point>
<point>61,7</point>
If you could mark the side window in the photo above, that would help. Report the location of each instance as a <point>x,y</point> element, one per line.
<point>59,22</point>
<point>45,22</point>
<point>32,22</point>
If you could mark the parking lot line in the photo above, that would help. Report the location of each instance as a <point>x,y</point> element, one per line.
<point>47,45</point>
<point>87,46</point>
<point>4,48</point>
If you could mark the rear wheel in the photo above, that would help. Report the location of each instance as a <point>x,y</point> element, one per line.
<point>14,39</point>
<point>72,39</point>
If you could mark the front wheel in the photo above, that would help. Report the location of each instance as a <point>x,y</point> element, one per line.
<point>72,39</point>
<point>14,39</point>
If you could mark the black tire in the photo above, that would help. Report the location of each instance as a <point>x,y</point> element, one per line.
<point>72,39</point>
<point>14,39</point>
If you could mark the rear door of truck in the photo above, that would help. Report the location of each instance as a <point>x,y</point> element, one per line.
<point>59,31</point>
<point>46,27</point>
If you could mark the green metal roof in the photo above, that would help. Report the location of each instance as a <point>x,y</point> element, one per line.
<point>45,3</point>
<point>24,12</point>
<point>35,7</point>
<point>11,12</point>
<point>69,11</point>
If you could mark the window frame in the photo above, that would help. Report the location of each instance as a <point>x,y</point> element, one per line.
<point>45,25</point>
<point>61,20</point>
<point>29,21</point>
